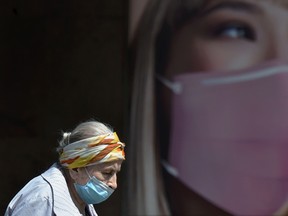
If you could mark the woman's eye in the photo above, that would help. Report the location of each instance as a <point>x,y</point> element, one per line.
<point>234,31</point>
<point>108,173</point>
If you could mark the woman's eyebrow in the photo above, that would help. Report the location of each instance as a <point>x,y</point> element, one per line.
<point>232,5</point>
<point>112,168</point>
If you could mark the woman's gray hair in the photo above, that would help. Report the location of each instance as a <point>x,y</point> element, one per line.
<point>83,131</point>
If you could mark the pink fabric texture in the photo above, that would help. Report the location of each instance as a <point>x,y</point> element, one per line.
<point>229,137</point>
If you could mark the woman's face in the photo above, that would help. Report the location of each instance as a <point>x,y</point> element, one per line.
<point>227,35</point>
<point>105,172</point>
<point>231,35</point>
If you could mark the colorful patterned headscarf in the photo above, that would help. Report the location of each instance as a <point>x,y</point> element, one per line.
<point>94,150</point>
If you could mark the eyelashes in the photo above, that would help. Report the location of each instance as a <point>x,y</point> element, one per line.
<point>231,30</point>
<point>108,173</point>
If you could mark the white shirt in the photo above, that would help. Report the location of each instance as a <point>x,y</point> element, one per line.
<point>45,195</point>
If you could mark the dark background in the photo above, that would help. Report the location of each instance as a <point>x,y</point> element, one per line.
<point>62,62</point>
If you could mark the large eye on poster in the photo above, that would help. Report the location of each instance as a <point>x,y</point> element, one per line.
<point>221,92</point>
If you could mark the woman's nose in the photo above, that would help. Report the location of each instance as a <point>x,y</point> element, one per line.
<point>112,182</point>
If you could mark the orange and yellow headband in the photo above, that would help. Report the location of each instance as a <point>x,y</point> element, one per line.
<point>98,149</point>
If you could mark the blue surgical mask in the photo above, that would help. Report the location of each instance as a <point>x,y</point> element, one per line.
<point>94,191</point>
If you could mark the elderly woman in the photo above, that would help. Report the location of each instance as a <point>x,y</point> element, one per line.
<point>210,108</point>
<point>89,159</point>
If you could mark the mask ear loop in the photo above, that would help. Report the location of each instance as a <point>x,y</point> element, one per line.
<point>87,173</point>
<point>170,169</point>
<point>100,183</point>
<point>175,87</point>
<point>97,180</point>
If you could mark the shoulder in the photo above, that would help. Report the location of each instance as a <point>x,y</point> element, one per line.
<point>34,197</point>
<point>43,195</point>
<point>37,187</point>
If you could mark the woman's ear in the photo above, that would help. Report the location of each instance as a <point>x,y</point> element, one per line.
<point>78,175</point>
<point>74,174</point>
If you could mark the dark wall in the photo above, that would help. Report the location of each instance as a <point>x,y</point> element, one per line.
<point>62,62</point>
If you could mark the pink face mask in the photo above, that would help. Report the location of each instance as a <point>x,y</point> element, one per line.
<point>229,137</point>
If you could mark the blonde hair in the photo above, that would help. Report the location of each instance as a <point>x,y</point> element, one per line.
<point>146,195</point>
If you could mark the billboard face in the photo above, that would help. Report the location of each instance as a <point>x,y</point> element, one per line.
<point>227,107</point>
<point>222,104</point>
